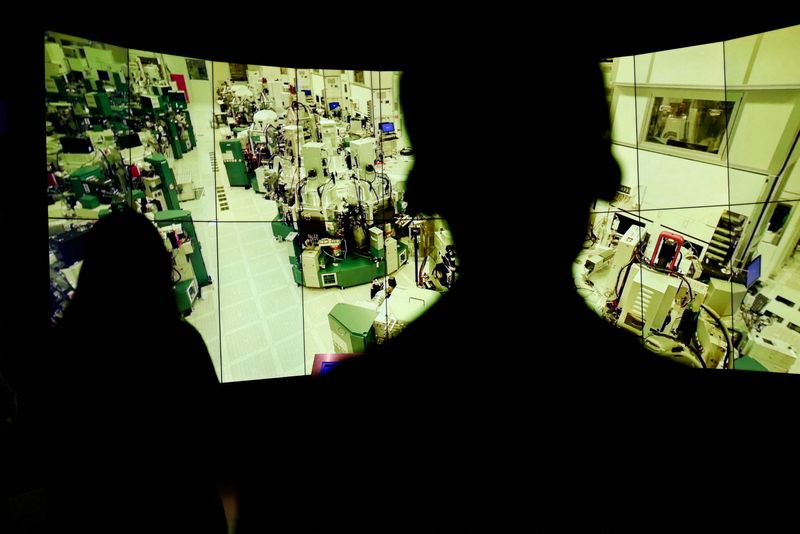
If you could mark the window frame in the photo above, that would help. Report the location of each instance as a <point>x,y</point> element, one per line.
<point>690,94</point>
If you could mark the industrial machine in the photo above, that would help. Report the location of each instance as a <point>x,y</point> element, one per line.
<point>724,296</point>
<point>363,151</point>
<point>351,327</point>
<point>646,300</point>
<point>193,249</point>
<point>237,165</point>
<point>774,354</point>
<point>68,245</point>
<point>181,247</point>
<point>344,229</point>
<point>165,181</point>
<point>355,328</point>
<point>329,137</point>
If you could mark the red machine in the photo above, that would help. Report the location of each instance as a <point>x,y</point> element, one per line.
<point>667,247</point>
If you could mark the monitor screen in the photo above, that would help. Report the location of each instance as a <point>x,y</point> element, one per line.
<point>177,96</point>
<point>325,363</point>
<point>103,75</point>
<point>753,272</point>
<point>344,260</point>
<point>327,367</point>
<point>387,127</point>
<point>626,222</point>
<point>74,76</point>
<point>130,140</point>
<point>76,145</point>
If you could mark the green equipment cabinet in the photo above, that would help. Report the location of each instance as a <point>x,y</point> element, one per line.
<point>280,229</point>
<point>177,99</point>
<point>192,137</point>
<point>119,83</point>
<point>174,139</point>
<point>190,131</point>
<point>89,201</point>
<point>747,363</point>
<point>235,165</point>
<point>347,272</point>
<point>80,180</point>
<point>351,328</point>
<point>169,187</point>
<point>167,217</point>
<point>99,104</point>
<point>185,292</point>
<point>61,87</point>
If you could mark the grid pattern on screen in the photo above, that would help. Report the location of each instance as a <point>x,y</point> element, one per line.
<point>256,319</point>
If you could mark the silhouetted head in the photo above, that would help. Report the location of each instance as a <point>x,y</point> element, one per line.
<point>126,272</point>
<point>505,158</point>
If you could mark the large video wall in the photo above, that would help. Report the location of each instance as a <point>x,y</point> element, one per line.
<point>278,191</point>
<point>698,253</point>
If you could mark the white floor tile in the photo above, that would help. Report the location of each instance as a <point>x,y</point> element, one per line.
<point>244,341</point>
<point>270,327</point>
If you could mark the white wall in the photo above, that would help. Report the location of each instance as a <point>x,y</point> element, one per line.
<point>318,82</point>
<point>627,115</point>
<point>382,79</point>
<point>771,58</point>
<point>669,187</point>
<point>792,189</point>
<point>626,158</point>
<point>767,120</point>
<point>272,73</point>
<point>221,73</point>
<point>738,54</point>
<point>777,60</point>
<point>361,95</point>
<point>694,65</point>
<point>200,91</point>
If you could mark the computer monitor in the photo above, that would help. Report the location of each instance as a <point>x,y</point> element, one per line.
<point>177,96</point>
<point>333,105</point>
<point>75,76</point>
<point>753,272</point>
<point>76,145</point>
<point>724,296</point>
<point>324,363</point>
<point>103,75</point>
<point>129,140</point>
<point>626,222</point>
<point>387,127</point>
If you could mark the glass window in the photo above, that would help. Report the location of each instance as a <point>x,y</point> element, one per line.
<point>238,72</point>
<point>197,69</point>
<point>689,123</point>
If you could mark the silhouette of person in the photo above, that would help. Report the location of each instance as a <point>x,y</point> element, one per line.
<point>495,406</point>
<point>425,428</point>
<point>135,396</point>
